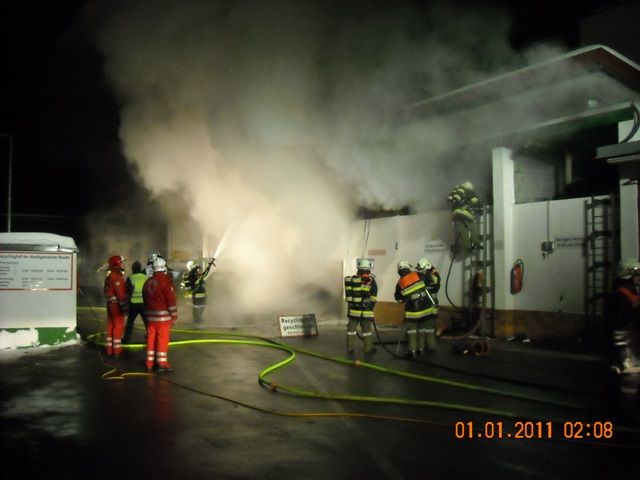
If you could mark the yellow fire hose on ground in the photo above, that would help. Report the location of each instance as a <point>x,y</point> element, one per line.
<point>252,340</point>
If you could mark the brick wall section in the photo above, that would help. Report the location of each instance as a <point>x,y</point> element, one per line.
<point>535,180</point>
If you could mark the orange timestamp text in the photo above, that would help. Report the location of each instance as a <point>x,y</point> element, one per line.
<point>530,429</point>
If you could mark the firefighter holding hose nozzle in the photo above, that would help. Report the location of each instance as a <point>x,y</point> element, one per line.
<point>194,284</point>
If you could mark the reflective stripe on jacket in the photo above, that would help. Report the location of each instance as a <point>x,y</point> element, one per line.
<point>194,283</point>
<point>361,294</point>
<point>347,289</point>
<point>159,298</point>
<point>412,290</point>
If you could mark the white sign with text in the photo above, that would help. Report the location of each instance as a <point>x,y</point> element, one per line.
<point>298,325</point>
<point>36,271</point>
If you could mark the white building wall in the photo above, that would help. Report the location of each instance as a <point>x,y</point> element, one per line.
<point>407,237</point>
<point>552,283</point>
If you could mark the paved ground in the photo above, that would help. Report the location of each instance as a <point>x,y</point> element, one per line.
<point>69,412</point>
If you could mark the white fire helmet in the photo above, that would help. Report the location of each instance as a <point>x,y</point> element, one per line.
<point>403,265</point>
<point>364,264</point>
<point>468,185</point>
<point>424,265</point>
<point>190,264</point>
<point>628,268</point>
<point>159,265</point>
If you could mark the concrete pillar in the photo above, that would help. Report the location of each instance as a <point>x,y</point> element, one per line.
<point>503,205</point>
<point>629,237</point>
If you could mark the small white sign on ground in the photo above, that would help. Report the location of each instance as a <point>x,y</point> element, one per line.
<point>298,325</point>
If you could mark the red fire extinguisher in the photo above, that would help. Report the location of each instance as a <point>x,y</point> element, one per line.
<point>517,276</point>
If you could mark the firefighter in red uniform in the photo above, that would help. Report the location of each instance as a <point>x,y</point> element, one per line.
<point>161,312</point>
<point>117,304</point>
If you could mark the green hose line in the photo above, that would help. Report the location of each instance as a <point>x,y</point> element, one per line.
<point>254,340</point>
<point>395,400</point>
<point>441,381</point>
<point>400,373</point>
<point>241,339</point>
<point>91,309</point>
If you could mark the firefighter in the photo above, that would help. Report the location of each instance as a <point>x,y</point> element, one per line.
<point>148,268</point>
<point>465,206</point>
<point>361,294</point>
<point>117,304</point>
<point>150,259</point>
<point>194,284</point>
<point>412,291</point>
<point>623,315</point>
<point>161,312</point>
<point>136,306</point>
<point>431,278</point>
<point>173,274</point>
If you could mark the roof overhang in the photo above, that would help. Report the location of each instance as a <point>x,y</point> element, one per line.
<point>620,152</point>
<point>589,87</point>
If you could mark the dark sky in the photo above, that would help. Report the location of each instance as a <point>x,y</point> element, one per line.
<point>64,121</point>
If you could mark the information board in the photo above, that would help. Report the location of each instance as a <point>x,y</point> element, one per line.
<point>36,271</point>
<point>298,325</point>
<point>575,241</point>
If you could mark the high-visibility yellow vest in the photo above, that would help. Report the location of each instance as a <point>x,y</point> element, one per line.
<point>138,280</point>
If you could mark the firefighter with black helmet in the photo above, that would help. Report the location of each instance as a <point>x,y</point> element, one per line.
<point>361,294</point>
<point>117,305</point>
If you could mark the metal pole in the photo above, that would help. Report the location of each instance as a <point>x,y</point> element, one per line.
<point>9,183</point>
<point>10,138</point>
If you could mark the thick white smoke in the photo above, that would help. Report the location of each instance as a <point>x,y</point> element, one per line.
<point>274,120</point>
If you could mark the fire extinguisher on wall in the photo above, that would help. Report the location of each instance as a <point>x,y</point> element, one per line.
<point>517,276</point>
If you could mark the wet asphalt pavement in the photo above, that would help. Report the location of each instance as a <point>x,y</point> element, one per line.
<point>70,412</point>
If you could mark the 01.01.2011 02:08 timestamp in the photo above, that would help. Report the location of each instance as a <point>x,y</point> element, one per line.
<point>572,430</point>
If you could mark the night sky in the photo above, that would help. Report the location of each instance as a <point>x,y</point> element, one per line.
<point>64,120</point>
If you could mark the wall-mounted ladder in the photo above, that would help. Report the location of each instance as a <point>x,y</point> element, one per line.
<point>480,261</point>
<point>600,254</point>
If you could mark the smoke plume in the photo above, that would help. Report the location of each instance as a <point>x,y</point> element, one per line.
<point>273,121</point>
